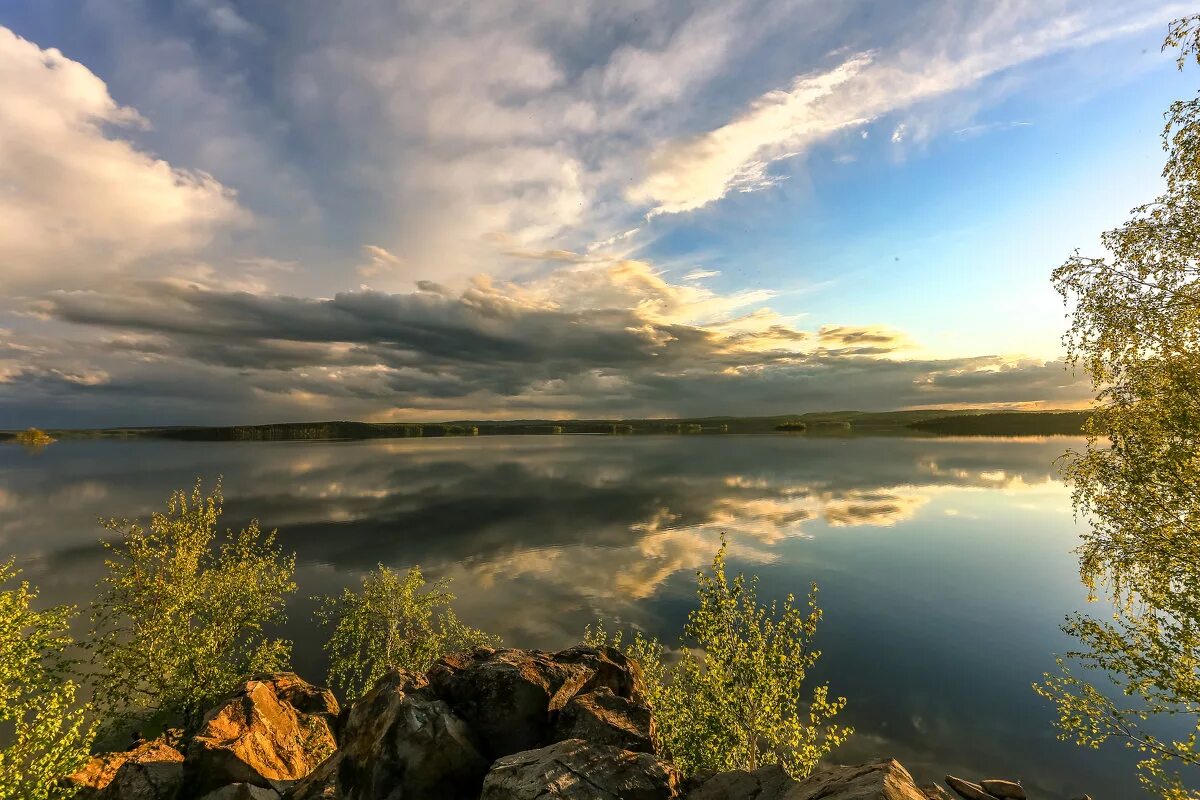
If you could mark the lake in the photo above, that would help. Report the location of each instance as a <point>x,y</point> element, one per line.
<point>944,565</point>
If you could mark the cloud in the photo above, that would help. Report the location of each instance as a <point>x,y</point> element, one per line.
<point>614,339</point>
<point>75,202</point>
<point>687,173</point>
<point>842,335</point>
<point>380,262</point>
<point>989,127</point>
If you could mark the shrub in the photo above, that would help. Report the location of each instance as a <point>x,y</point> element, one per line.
<point>47,734</point>
<point>395,620</point>
<point>733,698</point>
<point>182,614</point>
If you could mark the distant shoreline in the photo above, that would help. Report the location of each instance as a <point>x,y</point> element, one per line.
<point>966,422</point>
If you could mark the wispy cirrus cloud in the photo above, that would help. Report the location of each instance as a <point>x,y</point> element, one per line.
<point>691,172</point>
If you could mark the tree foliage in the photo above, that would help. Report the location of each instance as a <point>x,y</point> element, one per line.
<point>394,620</point>
<point>1136,330</point>
<point>47,734</point>
<point>734,697</point>
<point>183,614</point>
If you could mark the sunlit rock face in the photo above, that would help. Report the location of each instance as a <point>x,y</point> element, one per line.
<point>151,771</point>
<point>270,733</point>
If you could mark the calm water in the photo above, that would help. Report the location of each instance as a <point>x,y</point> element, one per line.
<point>944,564</point>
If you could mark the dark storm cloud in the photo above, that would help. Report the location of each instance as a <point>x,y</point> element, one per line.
<point>615,340</point>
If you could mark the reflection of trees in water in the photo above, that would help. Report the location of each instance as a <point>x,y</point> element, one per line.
<point>1136,330</point>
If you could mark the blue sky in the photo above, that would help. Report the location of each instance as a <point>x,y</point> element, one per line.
<point>211,211</point>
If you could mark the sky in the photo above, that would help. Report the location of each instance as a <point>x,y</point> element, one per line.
<point>226,212</point>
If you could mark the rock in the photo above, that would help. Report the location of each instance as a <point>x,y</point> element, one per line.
<point>1006,790</point>
<point>602,717</point>
<point>934,792</point>
<point>884,779</point>
<point>257,736</point>
<point>967,790</point>
<point>242,791</point>
<point>576,770</point>
<point>511,697</point>
<point>302,695</point>
<point>321,784</point>
<point>151,771</point>
<point>764,783</point>
<point>399,741</point>
<point>876,780</point>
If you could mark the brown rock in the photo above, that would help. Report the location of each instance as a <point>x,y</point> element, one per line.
<point>876,780</point>
<point>399,741</point>
<point>242,791</point>
<point>934,792</point>
<point>1006,790</point>
<point>884,779</point>
<point>764,783</point>
<point>601,717</point>
<point>511,697</point>
<point>967,790</point>
<point>576,770</point>
<point>321,784</point>
<point>151,771</point>
<point>258,737</point>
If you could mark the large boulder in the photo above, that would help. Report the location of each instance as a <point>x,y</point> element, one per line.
<point>764,783</point>
<point>271,732</point>
<point>242,791</point>
<point>399,741</point>
<point>884,779</point>
<point>511,698</point>
<point>1004,789</point>
<point>968,790</point>
<point>602,717</point>
<point>577,770</point>
<point>151,771</point>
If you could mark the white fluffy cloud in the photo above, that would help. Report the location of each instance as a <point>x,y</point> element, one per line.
<point>76,201</point>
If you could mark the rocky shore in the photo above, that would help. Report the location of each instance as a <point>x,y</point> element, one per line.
<point>484,725</point>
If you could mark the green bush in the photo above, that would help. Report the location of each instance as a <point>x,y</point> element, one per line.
<point>733,698</point>
<point>395,620</point>
<point>182,614</point>
<point>47,735</point>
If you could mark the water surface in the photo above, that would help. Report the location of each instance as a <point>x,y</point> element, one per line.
<point>944,565</point>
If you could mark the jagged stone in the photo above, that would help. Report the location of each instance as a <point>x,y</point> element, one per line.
<point>242,791</point>
<point>321,784</point>
<point>576,770</point>
<point>765,783</point>
<point>1006,790</point>
<point>602,717</point>
<point>151,771</point>
<point>968,790</point>
<point>399,741</point>
<point>510,698</point>
<point>257,736</point>
<point>934,792</point>
<point>885,779</point>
